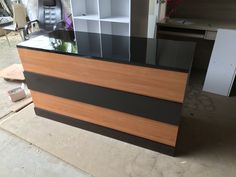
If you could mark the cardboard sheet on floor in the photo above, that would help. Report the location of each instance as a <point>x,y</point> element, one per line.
<point>13,72</point>
<point>21,104</point>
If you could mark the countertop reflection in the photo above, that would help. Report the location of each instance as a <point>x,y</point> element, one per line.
<point>157,53</point>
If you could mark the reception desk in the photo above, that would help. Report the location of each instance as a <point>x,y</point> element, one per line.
<point>128,88</point>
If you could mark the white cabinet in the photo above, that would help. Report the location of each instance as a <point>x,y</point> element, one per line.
<point>85,9</point>
<point>222,67</point>
<point>115,28</point>
<point>102,16</point>
<point>86,26</point>
<point>115,11</point>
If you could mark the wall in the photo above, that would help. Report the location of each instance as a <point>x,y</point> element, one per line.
<point>144,16</point>
<point>139,16</point>
<point>208,9</point>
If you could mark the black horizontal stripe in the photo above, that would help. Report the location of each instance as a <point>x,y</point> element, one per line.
<point>148,107</point>
<point>107,132</point>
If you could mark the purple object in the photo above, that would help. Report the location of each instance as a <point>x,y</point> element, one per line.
<point>68,22</point>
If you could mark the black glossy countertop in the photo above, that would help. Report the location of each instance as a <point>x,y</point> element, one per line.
<point>157,53</point>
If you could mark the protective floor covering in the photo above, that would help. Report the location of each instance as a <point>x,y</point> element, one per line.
<point>22,159</point>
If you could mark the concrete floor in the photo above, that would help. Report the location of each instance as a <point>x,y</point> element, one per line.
<point>9,55</point>
<point>22,159</point>
<point>208,146</point>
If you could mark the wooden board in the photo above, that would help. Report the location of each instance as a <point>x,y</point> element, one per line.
<point>131,124</point>
<point>17,106</point>
<point>158,83</point>
<point>13,72</point>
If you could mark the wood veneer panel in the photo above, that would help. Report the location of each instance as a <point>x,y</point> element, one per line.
<point>158,83</point>
<point>122,136</point>
<point>139,105</point>
<point>131,124</point>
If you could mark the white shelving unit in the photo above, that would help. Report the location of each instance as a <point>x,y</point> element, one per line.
<point>88,17</point>
<point>82,8</point>
<point>121,29</point>
<point>90,26</point>
<point>102,16</point>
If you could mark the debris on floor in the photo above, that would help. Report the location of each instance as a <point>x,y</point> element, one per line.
<point>17,93</point>
<point>20,95</point>
<point>14,93</point>
<point>6,103</point>
<point>13,72</point>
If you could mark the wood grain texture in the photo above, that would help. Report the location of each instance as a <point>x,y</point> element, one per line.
<point>131,124</point>
<point>163,84</point>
